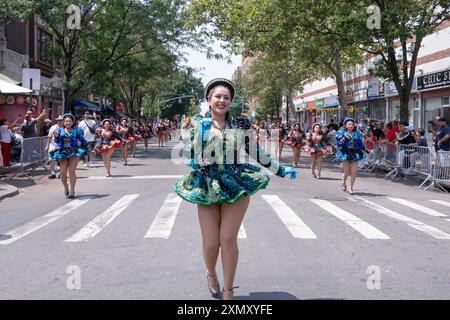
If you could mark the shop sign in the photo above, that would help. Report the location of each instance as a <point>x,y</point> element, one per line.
<point>434,80</point>
<point>10,100</point>
<point>373,88</point>
<point>20,100</point>
<point>319,103</point>
<point>331,101</point>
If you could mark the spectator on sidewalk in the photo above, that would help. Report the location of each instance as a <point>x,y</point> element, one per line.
<point>28,130</point>
<point>442,140</point>
<point>88,126</point>
<point>5,141</point>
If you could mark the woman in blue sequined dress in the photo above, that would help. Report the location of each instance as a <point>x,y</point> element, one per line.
<point>351,151</point>
<point>220,183</point>
<point>68,152</point>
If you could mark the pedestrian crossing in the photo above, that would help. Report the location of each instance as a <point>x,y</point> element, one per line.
<point>292,219</point>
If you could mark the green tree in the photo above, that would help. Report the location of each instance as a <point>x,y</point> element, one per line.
<point>304,32</point>
<point>397,42</point>
<point>109,32</point>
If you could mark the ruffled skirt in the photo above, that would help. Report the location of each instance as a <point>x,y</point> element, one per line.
<point>66,153</point>
<point>106,147</point>
<point>217,184</point>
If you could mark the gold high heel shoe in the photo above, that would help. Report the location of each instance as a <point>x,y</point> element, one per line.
<point>214,289</point>
<point>229,290</point>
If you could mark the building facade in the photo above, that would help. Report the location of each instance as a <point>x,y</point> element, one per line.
<point>375,98</point>
<point>28,45</point>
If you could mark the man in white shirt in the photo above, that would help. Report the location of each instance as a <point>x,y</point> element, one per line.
<point>88,127</point>
<point>51,144</point>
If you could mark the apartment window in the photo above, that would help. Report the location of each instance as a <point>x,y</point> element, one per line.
<point>44,42</point>
<point>445,100</point>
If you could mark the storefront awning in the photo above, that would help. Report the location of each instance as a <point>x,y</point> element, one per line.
<point>8,79</point>
<point>87,104</point>
<point>8,87</point>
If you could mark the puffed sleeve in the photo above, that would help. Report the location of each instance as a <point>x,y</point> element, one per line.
<point>80,137</point>
<point>339,136</point>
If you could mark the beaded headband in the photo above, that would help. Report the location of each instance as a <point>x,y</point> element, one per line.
<point>219,82</point>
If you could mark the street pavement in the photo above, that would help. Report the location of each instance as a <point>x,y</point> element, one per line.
<point>130,237</point>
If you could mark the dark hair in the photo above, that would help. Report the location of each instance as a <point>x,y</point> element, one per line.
<point>219,82</point>
<point>405,124</point>
<point>389,125</point>
<point>442,119</point>
<point>2,121</point>
<point>421,132</point>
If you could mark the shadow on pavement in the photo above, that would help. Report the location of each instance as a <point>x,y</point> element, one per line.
<point>276,295</point>
<point>369,194</point>
<point>5,237</point>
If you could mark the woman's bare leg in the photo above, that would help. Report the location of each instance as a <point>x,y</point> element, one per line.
<point>319,165</point>
<point>313,165</point>
<point>231,220</point>
<point>64,166</point>
<point>73,163</point>
<point>353,170</point>
<point>209,218</point>
<point>346,166</point>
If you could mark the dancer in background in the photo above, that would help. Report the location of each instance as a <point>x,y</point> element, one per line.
<point>316,149</point>
<point>351,150</point>
<point>124,132</point>
<point>108,141</point>
<point>68,152</point>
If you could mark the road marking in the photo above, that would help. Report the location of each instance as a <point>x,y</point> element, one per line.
<point>165,218</point>
<point>444,203</point>
<point>40,222</point>
<point>367,230</point>
<point>242,233</point>
<point>94,227</point>
<point>295,225</point>
<point>418,207</point>
<point>135,177</point>
<point>436,233</point>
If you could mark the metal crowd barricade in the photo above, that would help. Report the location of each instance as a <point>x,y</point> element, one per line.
<point>441,171</point>
<point>32,155</point>
<point>373,155</point>
<point>413,160</point>
<point>388,158</point>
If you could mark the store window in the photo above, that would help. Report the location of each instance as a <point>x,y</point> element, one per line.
<point>44,43</point>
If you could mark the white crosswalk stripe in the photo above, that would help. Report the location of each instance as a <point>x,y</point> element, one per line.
<point>162,225</point>
<point>165,218</point>
<point>367,230</point>
<point>40,222</point>
<point>435,233</point>
<point>242,233</point>
<point>418,207</point>
<point>295,225</point>
<point>100,222</point>
<point>444,203</point>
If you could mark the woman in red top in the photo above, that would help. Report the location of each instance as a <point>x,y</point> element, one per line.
<point>316,148</point>
<point>108,141</point>
<point>123,131</point>
<point>296,142</point>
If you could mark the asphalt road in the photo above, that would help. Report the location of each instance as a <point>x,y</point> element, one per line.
<point>130,237</point>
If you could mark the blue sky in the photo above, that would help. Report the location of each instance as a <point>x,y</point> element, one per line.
<point>210,69</point>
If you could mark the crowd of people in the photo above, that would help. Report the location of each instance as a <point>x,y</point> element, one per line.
<point>318,141</point>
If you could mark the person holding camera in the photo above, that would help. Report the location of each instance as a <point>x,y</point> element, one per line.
<point>351,151</point>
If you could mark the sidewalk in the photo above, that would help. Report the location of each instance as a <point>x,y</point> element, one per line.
<point>7,190</point>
